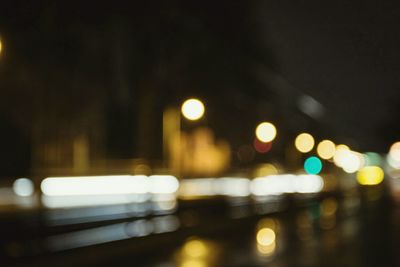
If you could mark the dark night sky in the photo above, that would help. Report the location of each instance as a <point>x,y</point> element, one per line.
<point>343,53</point>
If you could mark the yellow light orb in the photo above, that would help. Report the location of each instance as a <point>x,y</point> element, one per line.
<point>304,142</point>
<point>192,109</point>
<point>265,169</point>
<point>394,151</point>
<point>370,175</point>
<point>1,46</point>
<point>193,263</point>
<point>342,147</point>
<point>266,250</point>
<point>265,132</point>
<point>265,236</point>
<point>195,248</point>
<point>326,149</point>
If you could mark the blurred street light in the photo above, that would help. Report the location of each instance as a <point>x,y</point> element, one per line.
<point>370,175</point>
<point>193,109</point>
<point>265,132</point>
<point>304,142</point>
<point>326,149</point>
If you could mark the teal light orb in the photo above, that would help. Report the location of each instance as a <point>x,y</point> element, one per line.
<point>313,165</point>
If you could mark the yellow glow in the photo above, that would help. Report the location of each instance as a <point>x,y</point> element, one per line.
<point>394,151</point>
<point>195,249</point>
<point>193,263</point>
<point>265,170</point>
<point>304,142</point>
<point>1,46</point>
<point>342,146</point>
<point>265,132</point>
<point>196,187</point>
<point>266,250</point>
<point>265,237</point>
<point>192,109</point>
<point>267,223</point>
<point>326,149</point>
<point>370,175</point>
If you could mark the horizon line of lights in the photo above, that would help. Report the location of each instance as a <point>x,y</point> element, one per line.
<point>126,186</point>
<point>109,185</point>
<point>270,185</point>
<point>341,155</point>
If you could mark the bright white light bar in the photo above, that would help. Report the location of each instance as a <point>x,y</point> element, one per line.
<point>163,184</point>
<point>95,185</point>
<point>287,183</point>
<point>232,186</point>
<point>308,183</point>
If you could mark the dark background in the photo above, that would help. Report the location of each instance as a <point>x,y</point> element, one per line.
<point>109,69</point>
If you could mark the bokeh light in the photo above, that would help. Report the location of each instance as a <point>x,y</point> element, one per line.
<point>266,132</point>
<point>265,236</point>
<point>265,170</point>
<point>351,162</point>
<point>195,248</point>
<point>340,154</point>
<point>266,250</point>
<point>194,263</point>
<point>261,147</point>
<point>193,109</point>
<point>393,157</point>
<point>370,175</point>
<point>1,46</point>
<point>372,159</point>
<point>23,187</point>
<point>326,149</point>
<point>313,165</point>
<point>392,163</point>
<point>342,146</point>
<point>266,241</point>
<point>394,151</point>
<point>304,142</point>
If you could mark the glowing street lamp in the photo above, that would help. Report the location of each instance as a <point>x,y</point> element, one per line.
<point>326,149</point>
<point>304,142</point>
<point>193,109</point>
<point>265,132</point>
